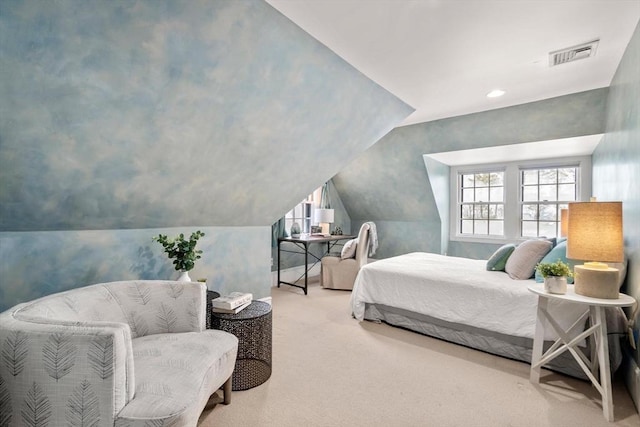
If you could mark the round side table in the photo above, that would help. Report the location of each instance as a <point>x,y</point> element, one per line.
<point>252,327</point>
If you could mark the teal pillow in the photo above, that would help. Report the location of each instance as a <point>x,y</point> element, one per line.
<point>499,258</point>
<point>558,253</point>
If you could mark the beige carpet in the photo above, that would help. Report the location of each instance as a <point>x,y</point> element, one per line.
<point>331,370</point>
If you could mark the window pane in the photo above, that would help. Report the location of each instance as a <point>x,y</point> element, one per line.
<point>547,212</point>
<point>496,228</point>
<point>567,192</point>
<point>567,175</point>
<point>547,229</point>
<point>481,211</point>
<point>548,176</point>
<point>530,194</point>
<point>496,178</point>
<point>529,212</point>
<point>529,177</point>
<point>496,211</point>
<point>482,194</point>
<point>467,195</point>
<point>467,180</point>
<point>481,227</point>
<point>529,229</point>
<point>482,180</point>
<point>467,227</point>
<point>496,194</point>
<point>467,212</point>
<point>548,192</point>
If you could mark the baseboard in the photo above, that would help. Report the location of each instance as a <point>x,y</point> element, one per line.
<point>631,373</point>
<point>293,273</point>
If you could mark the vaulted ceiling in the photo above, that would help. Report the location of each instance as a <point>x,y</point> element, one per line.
<point>443,57</point>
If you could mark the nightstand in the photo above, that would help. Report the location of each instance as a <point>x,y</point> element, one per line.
<point>595,311</point>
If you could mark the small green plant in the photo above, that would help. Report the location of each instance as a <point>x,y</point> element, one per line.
<point>557,268</point>
<point>184,251</point>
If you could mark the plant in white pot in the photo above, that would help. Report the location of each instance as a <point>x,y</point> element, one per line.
<point>555,276</point>
<point>184,251</point>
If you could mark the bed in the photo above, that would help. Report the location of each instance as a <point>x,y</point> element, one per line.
<point>458,300</point>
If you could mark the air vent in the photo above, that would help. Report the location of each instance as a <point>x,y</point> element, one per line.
<point>573,53</point>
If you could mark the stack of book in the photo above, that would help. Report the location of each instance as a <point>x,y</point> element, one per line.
<point>232,303</point>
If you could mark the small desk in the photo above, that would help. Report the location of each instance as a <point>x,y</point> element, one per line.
<point>595,310</point>
<point>303,243</point>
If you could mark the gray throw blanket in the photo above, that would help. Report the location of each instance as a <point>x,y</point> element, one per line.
<point>373,238</point>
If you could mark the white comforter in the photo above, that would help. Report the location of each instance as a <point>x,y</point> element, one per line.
<point>458,290</point>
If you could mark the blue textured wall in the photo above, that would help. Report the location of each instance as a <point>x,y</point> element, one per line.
<point>616,160</point>
<point>121,115</point>
<point>389,184</point>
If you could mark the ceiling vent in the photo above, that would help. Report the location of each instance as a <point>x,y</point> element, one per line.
<point>573,53</point>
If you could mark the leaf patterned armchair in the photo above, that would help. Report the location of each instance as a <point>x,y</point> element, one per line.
<point>133,353</point>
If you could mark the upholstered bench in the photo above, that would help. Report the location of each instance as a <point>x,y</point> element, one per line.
<point>114,354</point>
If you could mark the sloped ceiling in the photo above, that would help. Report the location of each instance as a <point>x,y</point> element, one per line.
<point>442,57</point>
<point>162,113</point>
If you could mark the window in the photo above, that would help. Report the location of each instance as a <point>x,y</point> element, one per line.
<point>302,213</point>
<point>482,203</point>
<point>543,192</point>
<point>517,200</point>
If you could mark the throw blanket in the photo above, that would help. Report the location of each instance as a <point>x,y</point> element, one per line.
<point>373,238</point>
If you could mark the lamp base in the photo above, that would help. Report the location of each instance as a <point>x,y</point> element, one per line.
<point>596,282</point>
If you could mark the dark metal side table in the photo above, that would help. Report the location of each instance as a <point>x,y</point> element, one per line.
<point>252,326</point>
<point>211,295</point>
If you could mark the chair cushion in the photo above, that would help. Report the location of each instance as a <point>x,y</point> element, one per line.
<point>521,265</point>
<point>167,368</point>
<point>349,249</point>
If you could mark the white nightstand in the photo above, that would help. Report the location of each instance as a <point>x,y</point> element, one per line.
<point>598,329</point>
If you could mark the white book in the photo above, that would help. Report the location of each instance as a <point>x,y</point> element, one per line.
<point>231,310</point>
<point>233,300</point>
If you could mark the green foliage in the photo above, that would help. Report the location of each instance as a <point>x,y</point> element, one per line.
<point>557,268</point>
<point>184,251</point>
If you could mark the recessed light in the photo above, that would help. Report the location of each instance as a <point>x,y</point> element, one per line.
<point>495,93</point>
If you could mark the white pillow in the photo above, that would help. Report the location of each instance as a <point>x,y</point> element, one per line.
<point>521,265</point>
<point>349,249</point>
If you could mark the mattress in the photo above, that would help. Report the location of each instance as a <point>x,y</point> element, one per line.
<point>458,291</point>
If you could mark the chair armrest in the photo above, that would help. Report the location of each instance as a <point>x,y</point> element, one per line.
<point>67,367</point>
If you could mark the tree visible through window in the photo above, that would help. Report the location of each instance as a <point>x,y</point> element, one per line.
<point>543,193</point>
<point>482,203</point>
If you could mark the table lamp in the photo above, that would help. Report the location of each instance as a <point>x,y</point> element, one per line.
<point>595,233</point>
<point>324,218</point>
<point>564,222</point>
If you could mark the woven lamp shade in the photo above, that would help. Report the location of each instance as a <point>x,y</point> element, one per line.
<point>595,231</point>
<point>564,222</point>
<point>595,234</point>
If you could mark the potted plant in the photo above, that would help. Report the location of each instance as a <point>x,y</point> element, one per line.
<point>555,276</point>
<point>184,251</point>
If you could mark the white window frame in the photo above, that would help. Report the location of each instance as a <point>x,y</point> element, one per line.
<point>512,201</point>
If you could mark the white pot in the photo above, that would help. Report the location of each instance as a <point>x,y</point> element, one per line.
<point>184,277</point>
<point>555,284</point>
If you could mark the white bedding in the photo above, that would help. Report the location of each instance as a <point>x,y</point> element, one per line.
<point>457,290</point>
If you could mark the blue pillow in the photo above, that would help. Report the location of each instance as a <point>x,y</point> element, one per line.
<point>558,253</point>
<point>499,258</point>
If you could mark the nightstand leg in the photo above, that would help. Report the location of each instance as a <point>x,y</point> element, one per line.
<point>538,340</point>
<point>603,359</point>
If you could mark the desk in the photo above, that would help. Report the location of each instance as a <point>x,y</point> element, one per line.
<point>303,243</point>
<point>595,310</point>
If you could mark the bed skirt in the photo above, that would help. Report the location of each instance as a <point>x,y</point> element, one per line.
<point>517,348</point>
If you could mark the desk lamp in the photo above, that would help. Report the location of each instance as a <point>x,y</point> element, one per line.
<point>324,218</point>
<point>595,233</point>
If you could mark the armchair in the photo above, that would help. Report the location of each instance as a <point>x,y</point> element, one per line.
<point>340,273</point>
